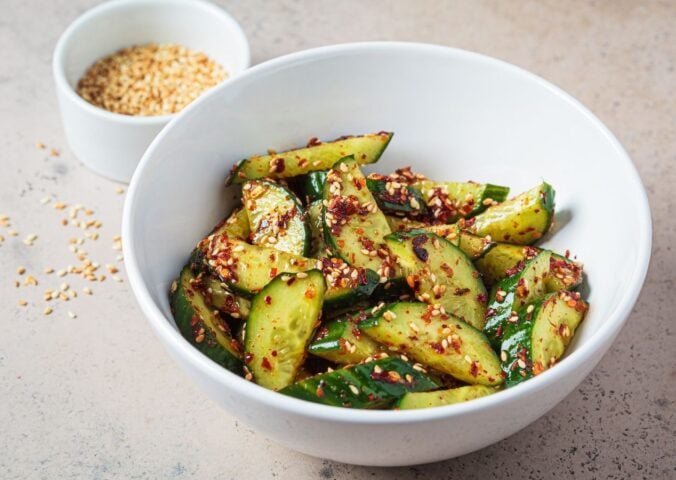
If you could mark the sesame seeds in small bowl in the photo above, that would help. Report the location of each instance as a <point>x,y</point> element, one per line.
<point>125,68</point>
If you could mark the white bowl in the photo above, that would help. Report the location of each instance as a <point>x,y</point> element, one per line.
<point>456,115</point>
<point>109,143</point>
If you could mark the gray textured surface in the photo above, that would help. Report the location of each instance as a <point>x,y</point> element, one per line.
<point>96,397</point>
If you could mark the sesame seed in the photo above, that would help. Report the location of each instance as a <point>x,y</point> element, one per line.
<point>503,356</point>
<point>22,303</point>
<point>468,359</point>
<point>530,308</point>
<point>47,311</point>
<point>301,275</point>
<point>521,363</point>
<point>21,270</point>
<point>71,314</point>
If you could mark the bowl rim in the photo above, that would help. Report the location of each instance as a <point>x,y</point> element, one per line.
<point>59,54</point>
<point>575,360</point>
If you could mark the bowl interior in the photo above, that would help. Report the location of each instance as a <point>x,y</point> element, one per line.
<point>456,116</point>
<point>110,27</point>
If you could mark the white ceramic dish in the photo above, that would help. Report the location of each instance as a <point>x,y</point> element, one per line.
<point>109,143</point>
<point>457,115</point>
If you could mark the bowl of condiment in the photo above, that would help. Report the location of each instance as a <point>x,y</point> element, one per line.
<point>125,68</point>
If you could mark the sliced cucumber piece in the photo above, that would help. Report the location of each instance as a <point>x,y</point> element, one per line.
<point>281,322</point>
<point>439,398</point>
<point>316,156</point>
<point>346,284</point>
<point>375,384</point>
<point>312,186</point>
<point>314,221</point>
<point>538,339</point>
<point>449,201</point>
<point>203,327</point>
<point>354,227</point>
<point>503,259</point>
<point>514,292</point>
<point>276,217</point>
<point>236,225</point>
<point>440,274</point>
<point>224,300</point>
<point>341,341</point>
<point>399,224</point>
<point>473,246</point>
<point>437,340</point>
<point>393,197</point>
<point>521,221</point>
<point>245,268</point>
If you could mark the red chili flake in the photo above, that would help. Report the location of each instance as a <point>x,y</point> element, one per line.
<point>313,142</point>
<point>361,276</point>
<point>367,243</point>
<point>482,298</point>
<point>474,369</point>
<point>320,391</point>
<point>359,183</point>
<point>419,251</point>
<point>265,363</point>
<point>248,357</point>
<point>309,293</point>
<point>490,312</point>
<point>322,333</point>
<point>498,332</point>
<point>515,269</point>
<point>273,353</point>
<point>194,320</point>
<point>273,272</point>
<point>447,269</point>
<point>461,291</point>
<point>356,332</point>
<point>437,347</point>
<point>268,299</point>
<point>278,165</point>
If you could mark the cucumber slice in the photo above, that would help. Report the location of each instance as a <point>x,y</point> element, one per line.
<point>376,384</point>
<point>276,217</point>
<point>346,284</point>
<point>514,292</point>
<point>312,186</point>
<point>440,398</point>
<point>393,197</point>
<point>354,227</point>
<point>520,221</point>
<point>449,201</point>
<point>316,156</point>
<point>203,327</point>
<point>281,322</point>
<point>399,224</point>
<point>314,221</point>
<point>437,340</point>
<point>473,246</point>
<point>236,225</point>
<point>503,258</point>
<point>341,341</point>
<point>540,336</point>
<point>245,268</point>
<point>224,300</point>
<point>440,274</point>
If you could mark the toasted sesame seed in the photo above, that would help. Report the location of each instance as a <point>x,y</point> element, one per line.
<point>21,270</point>
<point>87,290</point>
<point>414,327</point>
<point>71,314</point>
<point>47,311</point>
<point>530,308</point>
<point>22,303</point>
<point>468,359</point>
<point>503,356</point>
<point>521,363</point>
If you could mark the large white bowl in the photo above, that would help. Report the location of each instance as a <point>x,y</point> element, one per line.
<point>457,115</point>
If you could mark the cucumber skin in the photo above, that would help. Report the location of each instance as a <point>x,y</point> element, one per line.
<point>386,205</point>
<point>300,216</point>
<point>237,174</point>
<point>312,186</point>
<point>441,398</point>
<point>184,312</point>
<point>329,343</point>
<point>375,390</point>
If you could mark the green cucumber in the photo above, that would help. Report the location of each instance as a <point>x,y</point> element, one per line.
<point>394,197</point>
<point>398,224</point>
<point>236,225</point>
<point>440,274</point>
<point>503,258</point>
<point>341,341</point>
<point>312,186</point>
<point>282,320</point>
<point>203,327</point>
<point>473,246</point>
<point>538,339</point>
<point>243,267</point>
<point>439,398</point>
<point>375,384</point>
<point>314,222</point>
<point>449,201</point>
<point>276,217</point>
<point>521,221</point>
<point>354,227</point>
<point>512,293</point>
<point>346,284</point>
<point>436,339</point>
<point>224,300</point>
<point>316,156</point>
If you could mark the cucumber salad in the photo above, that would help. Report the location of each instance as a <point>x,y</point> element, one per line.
<point>377,291</point>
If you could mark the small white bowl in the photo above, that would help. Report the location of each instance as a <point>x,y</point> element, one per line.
<point>456,116</point>
<point>112,144</point>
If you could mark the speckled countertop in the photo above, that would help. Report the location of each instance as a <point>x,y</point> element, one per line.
<point>96,396</point>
